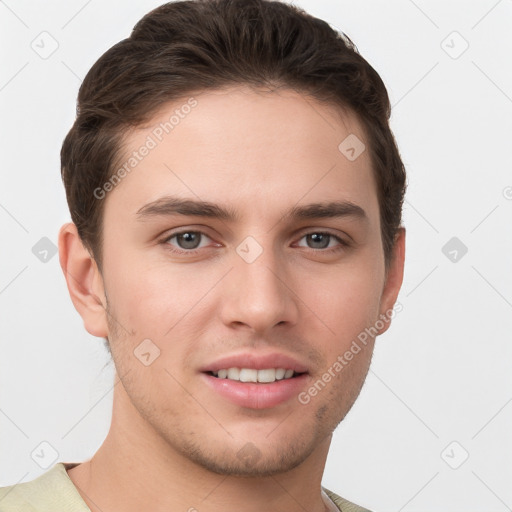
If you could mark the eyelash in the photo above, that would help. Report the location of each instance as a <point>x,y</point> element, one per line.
<point>343,243</point>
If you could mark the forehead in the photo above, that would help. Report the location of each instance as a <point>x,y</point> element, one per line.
<point>261,148</point>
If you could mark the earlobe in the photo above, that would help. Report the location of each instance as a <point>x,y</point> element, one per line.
<point>84,281</point>
<point>394,279</point>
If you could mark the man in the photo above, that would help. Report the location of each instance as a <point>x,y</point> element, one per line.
<point>236,197</point>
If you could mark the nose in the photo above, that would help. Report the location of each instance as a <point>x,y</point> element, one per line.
<point>258,295</point>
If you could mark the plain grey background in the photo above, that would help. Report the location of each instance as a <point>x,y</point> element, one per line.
<point>431,429</point>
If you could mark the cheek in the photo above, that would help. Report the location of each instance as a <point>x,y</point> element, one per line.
<point>152,298</point>
<point>346,301</point>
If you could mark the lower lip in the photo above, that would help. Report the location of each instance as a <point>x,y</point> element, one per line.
<point>257,395</point>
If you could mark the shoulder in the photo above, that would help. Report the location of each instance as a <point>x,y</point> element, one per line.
<point>50,491</point>
<point>343,504</point>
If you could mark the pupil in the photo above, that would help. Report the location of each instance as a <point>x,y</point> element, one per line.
<point>323,239</point>
<point>187,240</point>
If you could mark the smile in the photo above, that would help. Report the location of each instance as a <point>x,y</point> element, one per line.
<point>266,375</point>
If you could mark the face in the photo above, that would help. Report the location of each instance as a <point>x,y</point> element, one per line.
<point>244,243</point>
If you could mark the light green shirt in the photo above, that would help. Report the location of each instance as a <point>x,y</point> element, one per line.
<point>54,491</point>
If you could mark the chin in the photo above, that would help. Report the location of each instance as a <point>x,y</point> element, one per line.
<point>263,459</point>
<point>253,465</point>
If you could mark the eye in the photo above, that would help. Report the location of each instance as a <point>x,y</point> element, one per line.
<point>322,240</point>
<point>188,241</point>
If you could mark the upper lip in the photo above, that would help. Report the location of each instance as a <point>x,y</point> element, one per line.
<point>256,362</point>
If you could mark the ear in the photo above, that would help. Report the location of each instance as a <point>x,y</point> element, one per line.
<point>84,281</point>
<point>394,278</point>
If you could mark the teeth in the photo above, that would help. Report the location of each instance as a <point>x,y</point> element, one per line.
<point>250,375</point>
<point>234,374</point>
<point>280,373</point>
<point>267,375</point>
<point>247,375</point>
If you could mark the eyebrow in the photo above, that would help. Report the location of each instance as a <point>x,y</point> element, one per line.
<point>170,205</point>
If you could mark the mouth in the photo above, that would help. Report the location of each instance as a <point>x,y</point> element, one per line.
<point>256,381</point>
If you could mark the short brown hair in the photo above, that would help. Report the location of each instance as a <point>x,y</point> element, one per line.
<point>197,45</point>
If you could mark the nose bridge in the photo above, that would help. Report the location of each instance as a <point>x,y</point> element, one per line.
<point>259,297</point>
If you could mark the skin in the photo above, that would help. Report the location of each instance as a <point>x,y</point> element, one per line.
<point>173,442</point>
